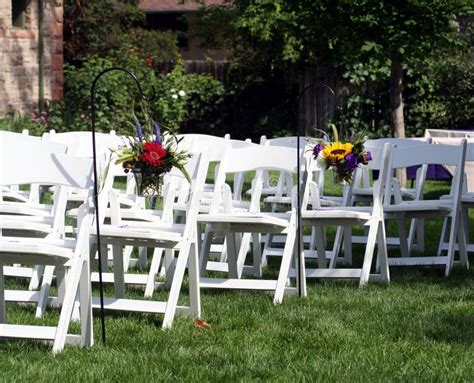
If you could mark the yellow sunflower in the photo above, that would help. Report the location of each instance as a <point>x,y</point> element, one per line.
<point>336,151</point>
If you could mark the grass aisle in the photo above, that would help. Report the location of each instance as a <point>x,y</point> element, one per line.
<point>421,328</point>
<point>418,328</point>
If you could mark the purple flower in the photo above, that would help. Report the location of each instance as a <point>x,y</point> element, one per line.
<point>139,129</point>
<point>157,131</point>
<point>317,148</point>
<point>351,161</point>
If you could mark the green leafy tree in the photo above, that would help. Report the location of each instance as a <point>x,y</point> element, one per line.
<point>105,27</point>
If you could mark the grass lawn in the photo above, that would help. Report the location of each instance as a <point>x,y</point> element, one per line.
<point>418,328</point>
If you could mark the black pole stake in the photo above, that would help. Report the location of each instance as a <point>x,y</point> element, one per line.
<point>96,193</point>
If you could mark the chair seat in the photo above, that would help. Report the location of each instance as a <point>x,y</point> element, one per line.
<point>138,231</point>
<point>336,215</point>
<point>240,222</point>
<point>130,214</point>
<point>20,208</point>
<point>36,250</point>
<point>466,198</point>
<point>413,209</point>
<point>7,224</point>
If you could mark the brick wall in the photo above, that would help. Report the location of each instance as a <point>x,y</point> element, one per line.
<point>19,68</point>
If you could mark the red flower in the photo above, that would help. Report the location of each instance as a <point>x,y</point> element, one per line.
<point>150,61</point>
<point>154,153</point>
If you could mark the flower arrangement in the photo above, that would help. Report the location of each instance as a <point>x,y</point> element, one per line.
<point>149,158</point>
<point>342,157</point>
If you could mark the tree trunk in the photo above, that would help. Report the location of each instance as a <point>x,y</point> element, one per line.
<point>396,105</point>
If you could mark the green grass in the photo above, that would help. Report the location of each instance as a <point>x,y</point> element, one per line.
<point>418,328</point>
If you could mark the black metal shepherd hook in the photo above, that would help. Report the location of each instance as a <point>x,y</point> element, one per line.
<point>96,194</point>
<point>300,258</point>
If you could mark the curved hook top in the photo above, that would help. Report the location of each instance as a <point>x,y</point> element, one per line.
<point>315,85</point>
<point>131,74</point>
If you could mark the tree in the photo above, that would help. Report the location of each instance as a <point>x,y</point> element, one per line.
<point>382,37</point>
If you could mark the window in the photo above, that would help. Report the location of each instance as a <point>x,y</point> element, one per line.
<point>169,21</point>
<point>18,13</point>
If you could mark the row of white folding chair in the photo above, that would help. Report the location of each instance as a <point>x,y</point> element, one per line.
<point>175,236</point>
<point>40,162</point>
<point>80,143</point>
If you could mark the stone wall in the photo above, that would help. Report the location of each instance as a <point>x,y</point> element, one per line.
<point>19,57</point>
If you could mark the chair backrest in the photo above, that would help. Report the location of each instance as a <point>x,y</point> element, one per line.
<point>80,143</point>
<point>439,154</point>
<point>42,162</point>
<point>254,158</point>
<point>288,142</point>
<point>381,156</point>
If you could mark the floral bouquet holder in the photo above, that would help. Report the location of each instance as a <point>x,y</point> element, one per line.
<point>342,157</point>
<point>150,158</point>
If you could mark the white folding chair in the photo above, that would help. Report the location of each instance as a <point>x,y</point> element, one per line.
<point>239,226</point>
<point>29,217</point>
<point>447,155</point>
<point>362,193</point>
<point>177,237</point>
<point>37,162</point>
<point>370,216</point>
<point>467,202</point>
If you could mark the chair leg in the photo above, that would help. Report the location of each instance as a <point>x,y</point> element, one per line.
<point>232,256</point>
<point>85,298</point>
<point>175,289</point>
<point>142,257</point>
<point>383,253</point>
<point>321,248</point>
<point>257,255</point>
<point>2,296</point>
<point>68,305</point>
<point>402,235</point>
<point>127,255</point>
<point>36,277</point>
<point>301,268</point>
<point>347,237</point>
<point>336,247</point>
<point>369,252</point>
<point>442,238</point>
<point>453,232</point>
<point>243,248</point>
<point>119,280</point>
<point>289,252</point>
<point>204,250</point>
<point>412,233</point>
<point>44,291</point>
<point>462,242</point>
<point>169,266</point>
<point>153,272</point>
<point>194,290</point>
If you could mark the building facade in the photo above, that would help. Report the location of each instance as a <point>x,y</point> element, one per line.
<point>31,54</point>
<point>179,16</point>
